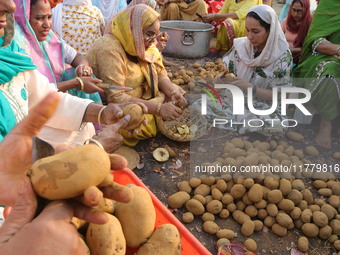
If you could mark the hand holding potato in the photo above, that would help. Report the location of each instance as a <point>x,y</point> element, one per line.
<point>50,232</point>
<point>169,111</point>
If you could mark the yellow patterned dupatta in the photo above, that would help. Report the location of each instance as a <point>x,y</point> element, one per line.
<point>127,26</point>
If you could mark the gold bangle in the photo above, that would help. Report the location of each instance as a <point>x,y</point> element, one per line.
<point>94,141</point>
<point>158,109</point>
<point>81,84</point>
<point>100,114</point>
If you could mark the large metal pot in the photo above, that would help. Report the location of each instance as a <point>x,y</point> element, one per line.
<point>188,39</point>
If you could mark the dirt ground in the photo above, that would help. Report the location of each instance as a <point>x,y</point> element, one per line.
<point>162,179</point>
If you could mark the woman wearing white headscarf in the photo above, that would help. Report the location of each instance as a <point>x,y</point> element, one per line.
<point>262,61</point>
<point>78,23</point>
<point>109,8</point>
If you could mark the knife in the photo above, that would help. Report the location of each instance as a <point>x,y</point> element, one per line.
<point>41,149</point>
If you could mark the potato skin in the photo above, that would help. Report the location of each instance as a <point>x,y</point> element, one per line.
<point>106,239</point>
<point>178,199</point>
<point>164,241</point>
<point>68,174</point>
<point>137,217</point>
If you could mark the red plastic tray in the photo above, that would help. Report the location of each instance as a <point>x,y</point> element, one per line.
<point>190,245</point>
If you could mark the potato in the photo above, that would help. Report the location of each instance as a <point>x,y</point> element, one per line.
<point>272,210</point>
<point>269,221</point>
<point>194,206</point>
<point>237,152</point>
<point>261,205</point>
<point>178,199</point>
<point>247,228</point>
<point>298,184</point>
<point>250,244</point>
<point>310,229</point>
<point>106,239</point>
<point>285,186</point>
<point>314,208</point>
<point>251,210</point>
<point>335,225</point>
<point>208,180</point>
<point>210,227</point>
<point>295,213</point>
<point>202,189</point>
<point>306,216</point>
<point>216,194</point>
<point>307,196</point>
<point>271,183</point>
<point>227,199</point>
<point>208,199</point>
<point>207,216</point>
<point>224,214</point>
<point>295,137</point>
<point>200,198</point>
<point>137,217</point>
<point>225,233</point>
<point>299,153</point>
<point>214,207</point>
<point>240,217</point>
<point>334,201</point>
<point>237,191</point>
<point>258,225</point>
<point>279,230</point>
<point>303,244</point>
<point>320,219</point>
<point>137,116</point>
<point>286,205</point>
<point>184,186</point>
<point>221,185</point>
<point>284,220</point>
<point>69,173</point>
<point>187,217</point>
<point>106,205</point>
<point>319,184</point>
<point>237,142</point>
<point>325,232</point>
<point>295,196</point>
<point>274,196</point>
<point>312,151</point>
<point>336,155</point>
<point>194,182</point>
<point>329,211</point>
<point>255,193</point>
<point>325,192</point>
<point>164,241</point>
<point>231,207</point>
<point>337,245</point>
<point>240,205</point>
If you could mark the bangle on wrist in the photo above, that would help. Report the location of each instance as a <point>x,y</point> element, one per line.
<point>158,108</point>
<point>337,51</point>
<point>100,114</point>
<point>81,84</point>
<point>94,141</point>
<point>79,66</point>
<point>254,90</point>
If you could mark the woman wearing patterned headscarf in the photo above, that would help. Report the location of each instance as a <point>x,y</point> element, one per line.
<point>127,57</point>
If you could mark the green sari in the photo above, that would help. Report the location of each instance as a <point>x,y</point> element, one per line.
<point>320,73</point>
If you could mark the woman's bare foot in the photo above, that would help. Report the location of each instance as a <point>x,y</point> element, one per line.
<point>324,137</point>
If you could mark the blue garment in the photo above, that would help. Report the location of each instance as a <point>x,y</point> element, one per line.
<point>13,60</point>
<point>284,10</point>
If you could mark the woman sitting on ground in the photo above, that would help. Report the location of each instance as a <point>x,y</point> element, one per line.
<point>50,53</point>
<point>296,26</point>
<point>319,67</point>
<point>78,23</point>
<point>230,21</point>
<point>127,57</point>
<point>183,9</point>
<point>261,61</point>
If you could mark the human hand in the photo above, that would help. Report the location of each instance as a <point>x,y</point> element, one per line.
<point>178,100</point>
<point>51,232</point>
<point>17,144</point>
<point>208,17</point>
<point>84,71</point>
<point>109,137</point>
<point>169,111</point>
<point>92,85</point>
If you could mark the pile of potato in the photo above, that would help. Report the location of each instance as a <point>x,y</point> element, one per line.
<point>209,70</point>
<point>279,201</point>
<point>70,173</point>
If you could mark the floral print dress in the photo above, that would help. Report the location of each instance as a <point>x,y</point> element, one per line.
<point>276,74</point>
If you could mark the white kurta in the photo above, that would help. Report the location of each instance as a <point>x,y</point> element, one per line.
<point>65,127</point>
